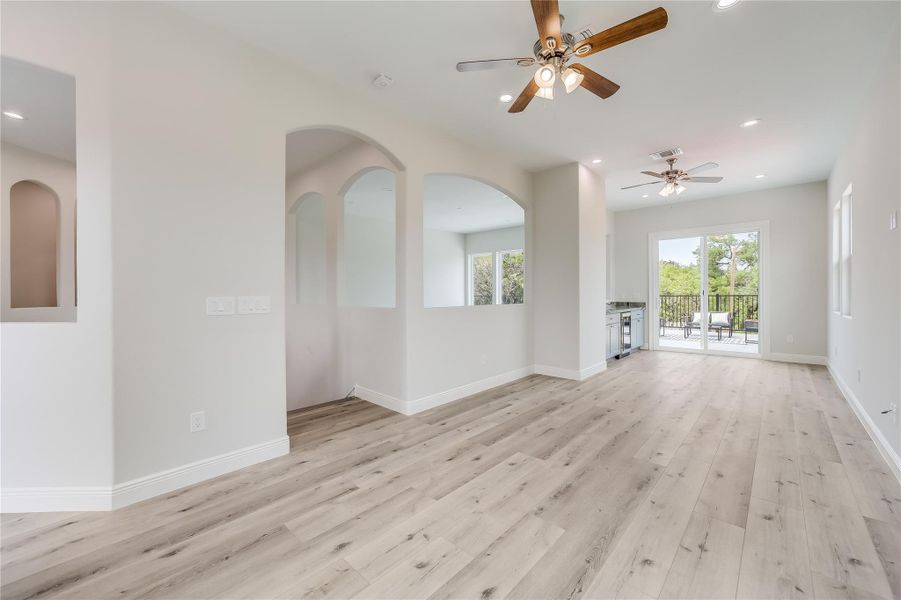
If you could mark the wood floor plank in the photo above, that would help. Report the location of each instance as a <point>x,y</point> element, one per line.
<point>774,561</point>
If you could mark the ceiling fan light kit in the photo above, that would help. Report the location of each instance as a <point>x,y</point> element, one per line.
<point>555,48</point>
<point>673,178</point>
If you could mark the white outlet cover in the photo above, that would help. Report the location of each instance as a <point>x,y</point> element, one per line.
<point>254,305</point>
<point>197,421</point>
<point>220,305</point>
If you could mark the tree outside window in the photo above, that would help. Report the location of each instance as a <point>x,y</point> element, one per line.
<point>482,279</point>
<point>512,277</point>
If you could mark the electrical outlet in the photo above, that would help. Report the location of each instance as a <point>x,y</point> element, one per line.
<point>198,421</point>
<point>254,305</point>
<point>220,305</point>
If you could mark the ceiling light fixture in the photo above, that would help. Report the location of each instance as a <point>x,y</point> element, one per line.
<point>545,92</point>
<point>572,79</point>
<point>596,161</point>
<point>761,176</point>
<point>724,4</point>
<point>672,188</point>
<point>644,195</point>
<point>749,123</point>
<point>545,76</point>
<point>13,115</point>
<point>506,98</point>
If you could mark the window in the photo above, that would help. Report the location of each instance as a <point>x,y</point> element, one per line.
<point>847,251</point>
<point>512,276</point>
<point>481,270</point>
<point>496,277</point>
<point>837,257</point>
<point>842,253</point>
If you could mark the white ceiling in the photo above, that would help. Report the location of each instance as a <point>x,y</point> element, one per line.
<point>47,99</point>
<point>800,66</point>
<point>306,148</point>
<point>462,205</point>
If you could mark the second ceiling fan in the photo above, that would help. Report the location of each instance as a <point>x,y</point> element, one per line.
<point>555,48</point>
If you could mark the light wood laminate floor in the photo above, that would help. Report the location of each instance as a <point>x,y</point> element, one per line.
<point>670,475</point>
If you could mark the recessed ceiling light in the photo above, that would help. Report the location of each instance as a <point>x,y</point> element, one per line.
<point>506,98</point>
<point>13,115</point>
<point>596,161</point>
<point>644,195</point>
<point>749,123</point>
<point>761,176</point>
<point>724,4</point>
<point>459,208</point>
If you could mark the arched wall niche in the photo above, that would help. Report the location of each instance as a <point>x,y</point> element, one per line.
<point>307,217</point>
<point>34,245</point>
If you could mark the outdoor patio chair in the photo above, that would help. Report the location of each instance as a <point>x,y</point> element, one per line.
<point>692,322</point>
<point>720,321</point>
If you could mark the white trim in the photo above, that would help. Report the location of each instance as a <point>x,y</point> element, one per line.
<point>384,400</point>
<point>102,498</point>
<point>575,375</point>
<point>885,448</point>
<point>433,400</point>
<point>55,499</point>
<point>804,359</point>
<point>155,484</point>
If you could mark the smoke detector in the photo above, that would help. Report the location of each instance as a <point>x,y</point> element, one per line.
<point>382,81</point>
<point>667,154</point>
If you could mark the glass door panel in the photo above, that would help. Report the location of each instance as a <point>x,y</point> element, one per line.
<point>733,282</point>
<point>680,302</point>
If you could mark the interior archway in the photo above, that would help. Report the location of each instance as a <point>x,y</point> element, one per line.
<point>34,214</point>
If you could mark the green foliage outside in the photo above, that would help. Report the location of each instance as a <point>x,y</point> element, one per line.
<point>732,268</point>
<point>512,267</point>
<point>482,280</point>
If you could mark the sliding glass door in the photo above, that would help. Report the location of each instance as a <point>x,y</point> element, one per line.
<point>707,290</point>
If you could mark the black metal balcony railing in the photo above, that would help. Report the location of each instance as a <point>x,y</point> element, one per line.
<point>675,308</point>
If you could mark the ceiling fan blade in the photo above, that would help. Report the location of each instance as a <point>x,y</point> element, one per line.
<point>705,167</point>
<point>547,18</point>
<point>494,63</point>
<point>629,187</point>
<point>524,98</point>
<point>595,83</point>
<point>633,28</point>
<point>702,179</point>
<point>653,174</point>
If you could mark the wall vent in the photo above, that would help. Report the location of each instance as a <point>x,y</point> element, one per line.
<point>665,154</point>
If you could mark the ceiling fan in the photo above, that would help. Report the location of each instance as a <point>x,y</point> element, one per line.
<point>555,48</point>
<point>673,178</point>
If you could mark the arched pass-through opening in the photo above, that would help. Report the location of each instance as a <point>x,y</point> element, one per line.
<point>474,243</point>
<point>341,265</point>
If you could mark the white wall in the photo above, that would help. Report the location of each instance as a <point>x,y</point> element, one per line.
<point>444,260</point>
<point>569,281</point>
<point>496,240</point>
<point>368,261</point>
<point>198,126</point>
<point>797,275</point>
<point>865,350</point>
<point>57,431</point>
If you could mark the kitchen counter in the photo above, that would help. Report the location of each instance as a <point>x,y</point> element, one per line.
<point>623,307</point>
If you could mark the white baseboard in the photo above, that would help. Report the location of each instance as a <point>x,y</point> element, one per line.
<point>576,375</point>
<point>55,499</point>
<point>885,448</point>
<point>166,481</point>
<point>79,499</point>
<point>433,400</point>
<point>804,359</point>
<point>389,402</point>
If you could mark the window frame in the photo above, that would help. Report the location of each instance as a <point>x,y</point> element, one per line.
<point>497,275</point>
